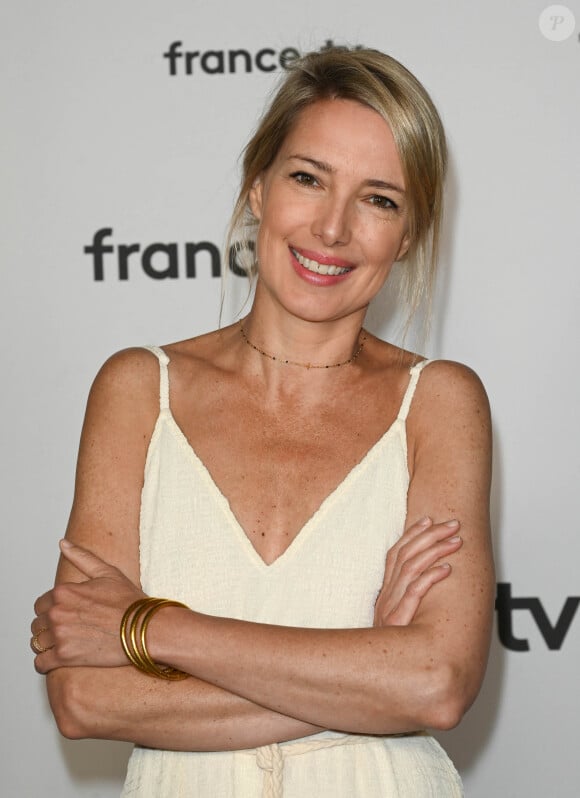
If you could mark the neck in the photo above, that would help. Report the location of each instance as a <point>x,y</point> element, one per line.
<point>285,360</point>
<point>275,332</point>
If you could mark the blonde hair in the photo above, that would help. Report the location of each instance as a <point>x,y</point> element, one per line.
<point>380,82</point>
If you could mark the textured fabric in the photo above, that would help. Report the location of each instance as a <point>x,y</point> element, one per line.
<point>193,549</point>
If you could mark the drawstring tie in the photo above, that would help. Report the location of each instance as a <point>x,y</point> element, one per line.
<point>270,759</point>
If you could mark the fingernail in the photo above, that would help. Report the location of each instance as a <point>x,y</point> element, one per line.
<point>66,544</point>
<point>454,539</point>
<point>425,521</point>
<point>446,566</point>
<point>452,524</point>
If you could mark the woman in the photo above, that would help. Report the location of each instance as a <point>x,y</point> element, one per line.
<point>327,443</point>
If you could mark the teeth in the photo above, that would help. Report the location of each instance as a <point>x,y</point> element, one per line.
<point>318,268</point>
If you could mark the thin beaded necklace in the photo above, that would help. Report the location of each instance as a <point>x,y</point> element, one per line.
<point>286,362</point>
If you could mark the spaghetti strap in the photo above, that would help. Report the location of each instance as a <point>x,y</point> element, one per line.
<point>163,375</point>
<point>415,372</point>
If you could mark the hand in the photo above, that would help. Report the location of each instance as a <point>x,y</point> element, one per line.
<point>78,623</point>
<point>411,569</point>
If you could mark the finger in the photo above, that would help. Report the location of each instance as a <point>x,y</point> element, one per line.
<point>415,565</point>
<point>44,603</point>
<point>424,558</point>
<point>420,540</point>
<point>416,591</point>
<point>417,527</point>
<point>41,641</point>
<point>409,544</point>
<point>83,559</point>
<point>45,662</point>
<point>409,570</point>
<point>40,622</point>
<point>409,534</point>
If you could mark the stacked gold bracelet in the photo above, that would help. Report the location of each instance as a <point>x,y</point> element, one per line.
<point>133,637</point>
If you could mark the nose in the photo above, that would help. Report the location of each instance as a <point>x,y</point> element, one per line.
<point>333,221</point>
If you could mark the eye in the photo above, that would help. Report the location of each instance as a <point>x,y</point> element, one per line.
<point>304,179</point>
<point>381,201</point>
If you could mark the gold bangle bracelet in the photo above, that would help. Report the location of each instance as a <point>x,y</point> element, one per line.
<point>133,636</point>
<point>162,671</point>
<point>123,631</point>
<point>135,622</point>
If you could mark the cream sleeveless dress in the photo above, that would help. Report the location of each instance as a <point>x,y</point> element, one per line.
<point>193,549</point>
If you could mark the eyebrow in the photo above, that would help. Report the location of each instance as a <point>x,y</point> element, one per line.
<point>326,167</point>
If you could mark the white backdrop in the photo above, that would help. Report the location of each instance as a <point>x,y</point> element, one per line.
<point>98,134</point>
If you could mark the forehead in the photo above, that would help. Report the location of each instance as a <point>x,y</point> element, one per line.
<point>344,133</point>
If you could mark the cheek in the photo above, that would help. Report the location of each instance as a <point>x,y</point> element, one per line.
<point>383,247</point>
<point>279,224</point>
<point>264,245</point>
<point>386,243</point>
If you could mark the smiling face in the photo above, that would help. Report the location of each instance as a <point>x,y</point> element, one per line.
<point>332,212</point>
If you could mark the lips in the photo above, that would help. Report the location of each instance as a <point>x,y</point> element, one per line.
<point>321,265</point>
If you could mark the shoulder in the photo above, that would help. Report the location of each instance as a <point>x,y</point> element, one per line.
<point>127,370</point>
<point>130,378</point>
<point>440,382</point>
<point>126,387</point>
<point>450,397</point>
<point>205,357</point>
<point>448,382</point>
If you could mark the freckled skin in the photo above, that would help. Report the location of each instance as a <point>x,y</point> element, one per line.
<point>277,440</point>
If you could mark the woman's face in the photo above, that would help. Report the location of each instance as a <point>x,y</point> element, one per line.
<point>332,212</point>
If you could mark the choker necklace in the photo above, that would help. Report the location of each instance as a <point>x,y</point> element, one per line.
<point>286,362</point>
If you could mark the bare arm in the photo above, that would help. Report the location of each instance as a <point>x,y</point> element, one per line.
<point>119,702</point>
<point>379,680</point>
<point>123,704</point>
<point>386,679</point>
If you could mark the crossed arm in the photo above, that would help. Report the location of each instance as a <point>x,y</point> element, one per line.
<point>421,664</point>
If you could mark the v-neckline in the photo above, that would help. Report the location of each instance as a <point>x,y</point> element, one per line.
<point>304,531</point>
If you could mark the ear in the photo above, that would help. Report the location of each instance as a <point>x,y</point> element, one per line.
<point>404,248</point>
<point>255,197</point>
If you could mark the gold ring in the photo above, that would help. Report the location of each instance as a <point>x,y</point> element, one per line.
<point>36,645</point>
